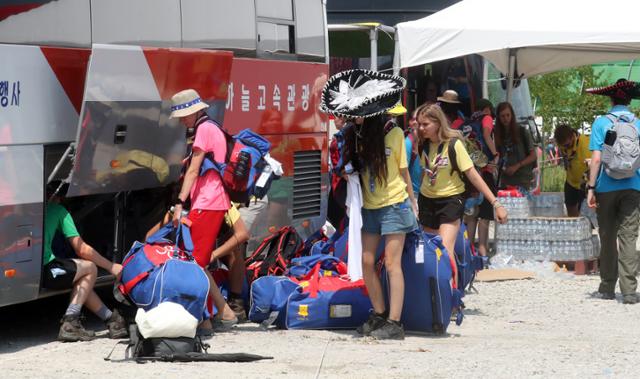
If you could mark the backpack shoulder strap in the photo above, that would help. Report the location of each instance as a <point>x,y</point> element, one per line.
<point>453,156</point>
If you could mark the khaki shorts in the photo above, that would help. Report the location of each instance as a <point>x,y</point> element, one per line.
<point>250,213</point>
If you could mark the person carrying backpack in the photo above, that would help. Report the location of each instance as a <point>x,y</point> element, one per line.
<point>389,207</point>
<point>517,150</point>
<point>614,190</point>
<point>209,200</point>
<point>574,148</point>
<point>444,160</point>
<point>481,134</point>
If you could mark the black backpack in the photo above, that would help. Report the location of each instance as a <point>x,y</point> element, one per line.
<point>181,349</point>
<point>273,255</point>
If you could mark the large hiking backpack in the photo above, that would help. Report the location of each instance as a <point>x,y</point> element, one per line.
<point>621,158</point>
<point>245,171</point>
<point>273,255</point>
<point>160,270</point>
<point>467,260</point>
<point>474,142</point>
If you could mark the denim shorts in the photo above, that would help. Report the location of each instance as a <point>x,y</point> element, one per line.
<point>393,219</point>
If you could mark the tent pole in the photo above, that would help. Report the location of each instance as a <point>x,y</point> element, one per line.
<point>396,53</point>
<point>373,39</point>
<point>512,69</point>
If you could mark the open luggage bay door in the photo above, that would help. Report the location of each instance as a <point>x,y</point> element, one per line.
<point>125,139</point>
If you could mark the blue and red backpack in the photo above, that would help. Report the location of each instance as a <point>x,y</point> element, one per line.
<point>244,166</point>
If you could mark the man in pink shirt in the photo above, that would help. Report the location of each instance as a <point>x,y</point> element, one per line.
<point>209,200</point>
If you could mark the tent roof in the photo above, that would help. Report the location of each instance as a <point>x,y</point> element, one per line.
<point>548,35</point>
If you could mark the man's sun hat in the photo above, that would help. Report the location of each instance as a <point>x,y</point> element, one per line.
<point>185,103</point>
<point>449,96</point>
<point>623,89</point>
<point>361,93</point>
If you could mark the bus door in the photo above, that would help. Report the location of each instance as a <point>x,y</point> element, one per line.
<point>125,140</point>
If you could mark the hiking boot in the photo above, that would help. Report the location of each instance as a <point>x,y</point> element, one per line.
<point>391,330</point>
<point>72,330</point>
<point>630,299</point>
<point>374,322</point>
<point>117,326</point>
<point>221,326</point>
<point>237,306</point>
<point>604,295</point>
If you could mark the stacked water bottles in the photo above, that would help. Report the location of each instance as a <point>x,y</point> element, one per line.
<point>517,206</point>
<point>549,204</point>
<point>541,238</point>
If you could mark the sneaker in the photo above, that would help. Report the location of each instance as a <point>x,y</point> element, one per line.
<point>374,322</point>
<point>630,299</point>
<point>221,326</point>
<point>604,295</point>
<point>391,330</point>
<point>117,326</point>
<point>237,306</point>
<point>72,330</point>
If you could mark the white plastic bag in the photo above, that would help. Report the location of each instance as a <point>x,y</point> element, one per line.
<point>169,320</point>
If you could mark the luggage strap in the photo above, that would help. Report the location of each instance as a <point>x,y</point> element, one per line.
<point>126,288</point>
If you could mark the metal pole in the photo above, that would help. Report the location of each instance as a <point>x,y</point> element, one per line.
<point>66,153</point>
<point>485,78</point>
<point>373,39</point>
<point>396,53</point>
<point>630,68</point>
<point>512,69</point>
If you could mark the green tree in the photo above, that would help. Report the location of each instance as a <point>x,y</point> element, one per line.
<point>560,96</point>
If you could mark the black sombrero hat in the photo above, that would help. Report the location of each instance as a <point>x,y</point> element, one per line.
<point>623,89</point>
<point>361,93</point>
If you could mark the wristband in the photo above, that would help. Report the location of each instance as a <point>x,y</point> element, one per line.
<point>496,204</point>
<point>179,201</point>
<point>590,187</point>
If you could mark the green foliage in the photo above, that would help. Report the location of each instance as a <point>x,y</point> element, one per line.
<point>553,178</point>
<point>560,96</point>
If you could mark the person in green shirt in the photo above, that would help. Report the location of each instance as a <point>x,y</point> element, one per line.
<point>79,274</point>
<point>575,152</point>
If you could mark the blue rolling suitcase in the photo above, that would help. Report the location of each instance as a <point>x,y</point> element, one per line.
<point>428,297</point>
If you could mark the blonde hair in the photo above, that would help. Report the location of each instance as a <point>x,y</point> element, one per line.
<point>434,113</point>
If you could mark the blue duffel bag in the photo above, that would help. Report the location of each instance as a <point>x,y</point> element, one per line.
<point>160,270</point>
<point>268,298</point>
<point>429,298</point>
<point>467,260</point>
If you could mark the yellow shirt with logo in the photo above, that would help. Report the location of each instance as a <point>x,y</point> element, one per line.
<point>395,190</point>
<point>577,165</point>
<point>447,182</point>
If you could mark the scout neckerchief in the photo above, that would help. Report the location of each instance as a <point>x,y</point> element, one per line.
<point>440,160</point>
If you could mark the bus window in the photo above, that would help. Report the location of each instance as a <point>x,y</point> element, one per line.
<point>280,9</point>
<point>110,23</point>
<point>309,28</point>
<point>220,25</point>
<point>275,38</point>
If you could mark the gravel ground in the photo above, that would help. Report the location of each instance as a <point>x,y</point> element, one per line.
<point>547,327</point>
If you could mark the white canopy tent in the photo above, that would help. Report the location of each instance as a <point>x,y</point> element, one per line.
<point>536,36</point>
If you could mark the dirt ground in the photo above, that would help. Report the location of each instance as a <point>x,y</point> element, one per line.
<point>546,327</point>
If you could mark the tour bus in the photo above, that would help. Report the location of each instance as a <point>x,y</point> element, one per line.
<point>85,88</point>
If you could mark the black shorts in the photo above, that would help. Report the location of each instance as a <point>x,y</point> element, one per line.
<point>572,196</point>
<point>485,210</point>
<point>434,212</point>
<point>59,274</point>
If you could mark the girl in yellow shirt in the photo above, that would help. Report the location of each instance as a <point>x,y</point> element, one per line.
<point>441,200</point>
